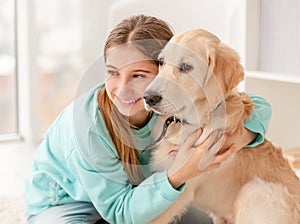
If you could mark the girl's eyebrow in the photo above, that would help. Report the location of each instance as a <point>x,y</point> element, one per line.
<point>136,70</point>
<point>110,66</point>
<point>141,70</point>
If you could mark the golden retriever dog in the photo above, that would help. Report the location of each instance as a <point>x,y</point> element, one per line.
<point>197,88</point>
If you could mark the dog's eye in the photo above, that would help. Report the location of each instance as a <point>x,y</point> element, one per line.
<point>161,61</point>
<point>185,67</point>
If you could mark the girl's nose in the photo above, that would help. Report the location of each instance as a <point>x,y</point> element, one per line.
<point>126,85</point>
<point>124,82</point>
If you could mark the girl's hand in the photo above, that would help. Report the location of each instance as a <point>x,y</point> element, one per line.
<point>240,140</point>
<point>186,163</point>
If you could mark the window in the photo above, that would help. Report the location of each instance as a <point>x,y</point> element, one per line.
<point>280,37</point>
<point>60,61</point>
<point>8,101</point>
<point>45,49</point>
<point>70,35</point>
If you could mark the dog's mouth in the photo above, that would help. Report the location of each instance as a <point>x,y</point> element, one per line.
<point>167,123</point>
<point>166,109</point>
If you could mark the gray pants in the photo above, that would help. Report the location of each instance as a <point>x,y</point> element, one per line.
<point>85,213</point>
<point>79,212</point>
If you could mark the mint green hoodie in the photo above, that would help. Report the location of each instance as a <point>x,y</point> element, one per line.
<point>77,161</point>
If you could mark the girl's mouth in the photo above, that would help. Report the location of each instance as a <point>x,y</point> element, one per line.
<point>128,102</point>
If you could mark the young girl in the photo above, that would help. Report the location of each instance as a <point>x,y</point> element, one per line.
<point>92,165</point>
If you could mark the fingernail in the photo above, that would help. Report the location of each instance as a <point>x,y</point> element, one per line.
<point>234,148</point>
<point>200,132</point>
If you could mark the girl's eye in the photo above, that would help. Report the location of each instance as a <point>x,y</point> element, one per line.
<point>161,61</point>
<point>112,72</point>
<point>138,76</point>
<point>185,67</point>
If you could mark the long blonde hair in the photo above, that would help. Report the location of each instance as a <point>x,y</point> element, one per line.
<point>149,35</point>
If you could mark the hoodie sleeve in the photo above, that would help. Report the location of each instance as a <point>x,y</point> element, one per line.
<point>118,201</point>
<point>259,120</point>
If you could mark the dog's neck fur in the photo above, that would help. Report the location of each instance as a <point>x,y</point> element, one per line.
<point>227,116</point>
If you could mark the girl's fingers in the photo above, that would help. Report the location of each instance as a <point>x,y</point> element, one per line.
<point>223,156</point>
<point>191,140</point>
<point>216,143</point>
<point>213,166</point>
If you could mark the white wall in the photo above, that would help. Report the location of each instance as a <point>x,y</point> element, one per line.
<point>227,19</point>
<point>277,77</point>
<point>284,95</point>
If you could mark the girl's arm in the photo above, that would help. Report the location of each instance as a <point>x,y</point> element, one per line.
<point>259,120</point>
<point>116,200</point>
<point>255,128</point>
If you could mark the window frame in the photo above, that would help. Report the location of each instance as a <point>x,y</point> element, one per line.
<point>16,134</point>
<point>28,127</point>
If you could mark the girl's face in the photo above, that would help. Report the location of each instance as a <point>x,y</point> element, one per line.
<point>128,73</point>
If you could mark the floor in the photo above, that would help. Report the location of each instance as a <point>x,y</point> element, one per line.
<point>15,164</point>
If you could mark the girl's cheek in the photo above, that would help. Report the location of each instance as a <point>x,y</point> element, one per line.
<point>109,89</point>
<point>144,83</point>
<point>139,87</point>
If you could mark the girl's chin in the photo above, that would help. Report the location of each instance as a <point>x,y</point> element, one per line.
<point>128,112</point>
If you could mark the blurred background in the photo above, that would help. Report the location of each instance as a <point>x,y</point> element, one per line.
<point>46,47</point>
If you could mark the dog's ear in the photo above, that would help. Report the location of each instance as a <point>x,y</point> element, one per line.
<point>211,58</point>
<point>211,55</point>
<point>225,65</point>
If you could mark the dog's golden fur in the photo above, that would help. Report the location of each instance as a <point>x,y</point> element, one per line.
<point>255,184</point>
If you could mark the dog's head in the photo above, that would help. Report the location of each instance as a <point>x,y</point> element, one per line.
<point>195,74</point>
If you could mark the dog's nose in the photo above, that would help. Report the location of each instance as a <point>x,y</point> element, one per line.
<point>152,98</point>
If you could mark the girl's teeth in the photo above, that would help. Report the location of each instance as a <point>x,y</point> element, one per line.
<point>128,102</point>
